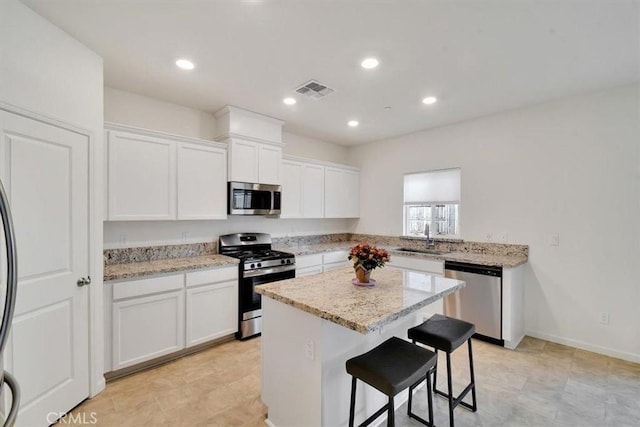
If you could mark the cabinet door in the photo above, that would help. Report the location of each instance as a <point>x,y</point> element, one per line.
<point>243,161</point>
<point>334,193</point>
<point>202,182</point>
<point>212,312</point>
<point>312,191</point>
<point>141,177</point>
<point>269,160</point>
<point>147,327</point>
<point>352,193</point>
<point>308,271</point>
<point>335,260</point>
<point>291,189</point>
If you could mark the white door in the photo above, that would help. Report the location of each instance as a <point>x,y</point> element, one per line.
<point>45,170</point>
<point>313,191</point>
<point>202,182</point>
<point>291,189</point>
<point>142,181</point>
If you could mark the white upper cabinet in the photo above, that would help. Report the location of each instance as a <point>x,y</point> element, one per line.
<point>312,191</point>
<point>255,145</point>
<point>291,189</point>
<point>141,177</point>
<point>243,160</point>
<point>254,162</point>
<point>155,176</point>
<point>269,160</point>
<point>202,182</point>
<point>341,193</point>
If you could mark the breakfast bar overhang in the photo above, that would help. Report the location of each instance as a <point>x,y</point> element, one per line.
<point>313,324</point>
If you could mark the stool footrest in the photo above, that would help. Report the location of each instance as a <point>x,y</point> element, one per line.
<point>458,400</point>
<point>380,411</point>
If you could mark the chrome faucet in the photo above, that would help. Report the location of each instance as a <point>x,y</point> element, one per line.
<point>429,243</point>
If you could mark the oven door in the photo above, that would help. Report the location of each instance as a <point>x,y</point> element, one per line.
<point>250,301</point>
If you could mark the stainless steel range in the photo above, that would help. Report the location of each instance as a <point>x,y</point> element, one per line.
<point>259,264</point>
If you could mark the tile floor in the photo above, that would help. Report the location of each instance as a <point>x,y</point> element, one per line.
<point>539,384</point>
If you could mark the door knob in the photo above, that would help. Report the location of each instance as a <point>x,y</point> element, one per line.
<point>84,281</point>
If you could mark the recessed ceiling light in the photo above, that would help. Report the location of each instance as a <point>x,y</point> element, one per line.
<point>387,108</point>
<point>185,64</point>
<point>353,123</point>
<point>289,101</point>
<point>429,100</point>
<point>369,63</point>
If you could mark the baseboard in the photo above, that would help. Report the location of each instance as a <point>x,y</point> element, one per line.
<point>631,357</point>
<point>512,345</point>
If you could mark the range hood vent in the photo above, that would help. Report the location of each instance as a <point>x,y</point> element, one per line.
<point>314,89</point>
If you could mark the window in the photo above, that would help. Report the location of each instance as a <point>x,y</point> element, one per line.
<point>431,201</point>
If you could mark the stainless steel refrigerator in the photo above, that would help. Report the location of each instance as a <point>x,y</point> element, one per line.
<point>9,293</point>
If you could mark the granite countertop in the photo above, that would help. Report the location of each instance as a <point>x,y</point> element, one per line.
<point>314,248</point>
<point>146,268</point>
<point>503,260</point>
<point>333,297</point>
<point>470,257</point>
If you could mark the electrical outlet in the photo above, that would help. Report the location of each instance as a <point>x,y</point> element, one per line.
<point>553,239</point>
<point>604,318</point>
<point>185,236</point>
<point>308,350</point>
<point>123,239</point>
<point>502,237</point>
<point>489,237</point>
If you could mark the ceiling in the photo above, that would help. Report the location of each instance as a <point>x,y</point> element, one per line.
<point>477,57</point>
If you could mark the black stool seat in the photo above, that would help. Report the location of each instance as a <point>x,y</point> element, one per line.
<point>447,334</point>
<point>442,332</point>
<point>392,367</point>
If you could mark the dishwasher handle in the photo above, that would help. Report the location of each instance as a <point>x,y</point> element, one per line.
<point>485,270</point>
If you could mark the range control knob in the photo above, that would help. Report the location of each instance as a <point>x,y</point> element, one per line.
<point>288,261</point>
<point>253,266</point>
<point>283,262</point>
<point>259,265</point>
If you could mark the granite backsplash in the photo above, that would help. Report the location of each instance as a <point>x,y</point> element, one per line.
<point>154,253</point>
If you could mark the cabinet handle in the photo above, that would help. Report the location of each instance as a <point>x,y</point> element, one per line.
<point>84,281</point>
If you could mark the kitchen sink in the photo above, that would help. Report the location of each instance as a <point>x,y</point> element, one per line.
<point>423,251</point>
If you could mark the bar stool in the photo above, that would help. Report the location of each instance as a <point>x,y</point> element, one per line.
<point>447,334</point>
<point>391,367</point>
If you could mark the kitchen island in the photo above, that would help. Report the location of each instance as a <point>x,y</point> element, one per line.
<point>312,325</point>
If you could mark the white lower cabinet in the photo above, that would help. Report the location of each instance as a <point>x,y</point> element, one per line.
<point>146,328</point>
<point>212,305</point>
<point>152,317</point>
<point>308,265</point>
<point>335,260</point>
<point>431,266</point>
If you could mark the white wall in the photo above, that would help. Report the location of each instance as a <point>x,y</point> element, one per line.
<point>570,167</point>
<point>46,74</point>
<point>311,148</point>
<point>145,112</point>
<point>131,109</point>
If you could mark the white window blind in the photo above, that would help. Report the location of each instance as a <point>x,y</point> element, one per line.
<point>442,186</point>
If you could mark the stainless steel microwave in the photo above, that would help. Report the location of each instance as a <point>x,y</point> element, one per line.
<point>253,199</point>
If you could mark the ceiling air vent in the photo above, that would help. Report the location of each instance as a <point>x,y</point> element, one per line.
<point>314,90</point>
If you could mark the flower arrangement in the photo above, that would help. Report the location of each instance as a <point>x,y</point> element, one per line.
<point>368,256</point>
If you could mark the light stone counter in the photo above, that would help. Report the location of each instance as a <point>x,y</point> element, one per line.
<point>313,324</point>
<point>507,260</point>
<point>170,265</point>
<point>333,297</point>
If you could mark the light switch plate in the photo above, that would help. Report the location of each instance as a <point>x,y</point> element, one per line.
<point>553,239</point>
<point>502,237</point>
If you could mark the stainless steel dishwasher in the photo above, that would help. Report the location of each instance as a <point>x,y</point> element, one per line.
<point>480,302</point>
